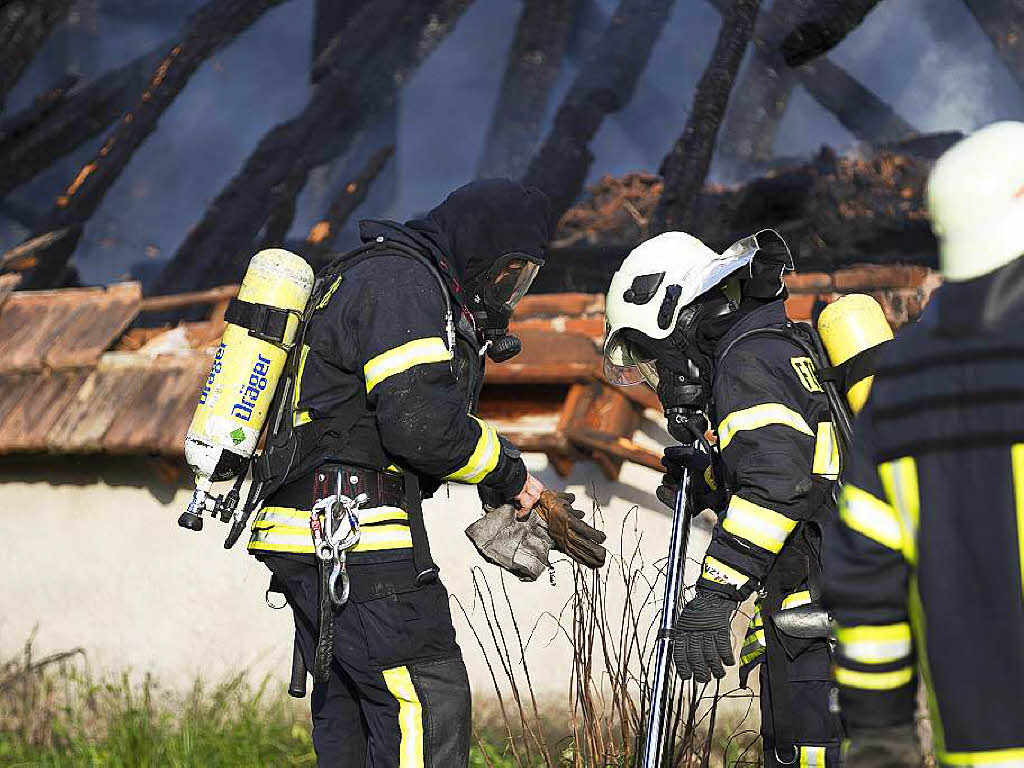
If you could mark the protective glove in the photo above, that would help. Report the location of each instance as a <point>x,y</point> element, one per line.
<point>704,493</point>
<point>521,547</point>
<point>703,637</point>
<point>570,534</point>
<point>895,746</point>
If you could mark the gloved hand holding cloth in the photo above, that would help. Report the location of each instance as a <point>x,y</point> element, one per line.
<point>702,647</point>
<point>521,547</point>
<point>571,535</point>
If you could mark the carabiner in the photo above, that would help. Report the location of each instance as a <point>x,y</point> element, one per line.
<point>338,593</point>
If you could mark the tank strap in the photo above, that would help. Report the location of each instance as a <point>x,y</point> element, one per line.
<point>855,369</point>
<point>263,321</point>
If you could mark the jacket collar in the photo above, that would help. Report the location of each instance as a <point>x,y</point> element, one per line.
<point>770,315</point>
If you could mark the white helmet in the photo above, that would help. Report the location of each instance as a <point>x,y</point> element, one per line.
<point>659,278</point>
<point>976,201</point>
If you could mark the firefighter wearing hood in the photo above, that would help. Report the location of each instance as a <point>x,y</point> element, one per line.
<point>927,557</point>
<point>709,333</point>
<point>387,381</point>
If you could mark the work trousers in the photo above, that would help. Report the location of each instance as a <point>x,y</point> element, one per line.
<point>817,730</point>
<point>398,694</point>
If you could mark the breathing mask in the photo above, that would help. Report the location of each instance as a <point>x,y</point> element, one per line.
<point>493,297</point>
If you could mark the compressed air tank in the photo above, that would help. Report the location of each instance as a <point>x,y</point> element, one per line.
<point>848,326</point>
<point>236,396</point>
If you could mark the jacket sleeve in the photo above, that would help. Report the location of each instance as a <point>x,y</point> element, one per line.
<point>770,428</point>
<point>865,588</point>
<point>402,345</point>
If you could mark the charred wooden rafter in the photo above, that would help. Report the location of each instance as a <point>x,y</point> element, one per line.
<point>686,165</point>
<point>211,27</point>
<point>351,197</point>
<point>603,86</point>
<point>1003,22</point>
<point>531,69</point>
<point>859,110</point>
<point>330,17</point>
<point>24,25</point>
<point>381,46</point>
<point>57,124</point>
<point>821,26</point>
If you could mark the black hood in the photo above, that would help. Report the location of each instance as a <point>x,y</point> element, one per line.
<point>483,220</point>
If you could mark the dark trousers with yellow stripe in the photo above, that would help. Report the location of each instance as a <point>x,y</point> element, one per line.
<point>398,694</point>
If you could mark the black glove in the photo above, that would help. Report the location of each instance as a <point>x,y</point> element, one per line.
<point>703,637</point>
<point>704,492</point>
<point>891,747</point>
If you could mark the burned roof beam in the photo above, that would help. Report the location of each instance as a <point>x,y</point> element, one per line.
<point>821,26</point>
<point>352,195</point>
<point>1003,22</point>
<point>531,68</point>
<point>32,140</point>
<point>330,17</point>
<point>603,86</point>
<point>210,28</point>
<point>857,108</point>
<point>381,46</point>
<point>686,165</point>
<point>24,27</point>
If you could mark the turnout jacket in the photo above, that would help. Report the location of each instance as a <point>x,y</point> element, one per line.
<point>778,452</point>
<point>388,379</point>
<point>926,563</point>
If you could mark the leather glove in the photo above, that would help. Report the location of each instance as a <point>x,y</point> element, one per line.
<point>521,547</point>
<point>895,746</point>
<point>703,491</point>
<point>572,536</point>
<point>703,637</point>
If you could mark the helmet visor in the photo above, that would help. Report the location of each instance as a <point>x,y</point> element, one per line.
<point>510,278</point>
<point>626,364</point>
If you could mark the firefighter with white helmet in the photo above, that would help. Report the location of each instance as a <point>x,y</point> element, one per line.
<point>709,333</point>
<point>926,560</point>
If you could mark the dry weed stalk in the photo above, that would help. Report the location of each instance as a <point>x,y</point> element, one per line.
<point>610,683</point>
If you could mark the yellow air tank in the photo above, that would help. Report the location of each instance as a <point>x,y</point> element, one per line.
<point>848,326</point>
<point>236,396</point>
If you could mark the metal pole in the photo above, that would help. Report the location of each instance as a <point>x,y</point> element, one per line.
<point>655,747</point>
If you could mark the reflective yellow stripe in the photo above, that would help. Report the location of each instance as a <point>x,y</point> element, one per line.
<point>410,716</point>
<point>796,599</point>
<point>899,478</point>
<point>300,417</point>
<point>826,451</point>
<point>383,537</point>
<point>870,516</point>
<point>484,458</point>
<point>379,514</point>
<point>812,757</point>
<point>759,525</point>
<point>759,416</point>
<point>875,644</point>
<point>874,681</point>
<point>996,757</point>
<point>1017,461</point>
<point>404,357</point>
<point>753,647</point>
<point>720,573</point>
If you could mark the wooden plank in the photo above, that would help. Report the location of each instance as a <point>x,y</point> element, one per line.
<point>620,447</point>
<point>89,414</point>
<point>42,399</point>
<point>94,327</point>
<point>7,285</point>
<point>181,300</point>
<point>148,406</point>
<point>548,357</point>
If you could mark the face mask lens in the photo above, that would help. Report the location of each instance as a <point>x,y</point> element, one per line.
<point>635,367</point>
<point>511,279</point>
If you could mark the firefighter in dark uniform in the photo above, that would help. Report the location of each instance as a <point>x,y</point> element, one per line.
<point>692,323</point>
<point>926,564</point>
<point>387,380</point>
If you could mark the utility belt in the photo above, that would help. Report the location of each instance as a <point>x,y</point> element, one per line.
<point>389,517</point>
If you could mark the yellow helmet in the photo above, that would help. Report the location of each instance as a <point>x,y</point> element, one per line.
<point>976,201</point>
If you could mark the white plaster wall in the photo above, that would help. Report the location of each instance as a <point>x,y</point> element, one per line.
<point>100,563</point>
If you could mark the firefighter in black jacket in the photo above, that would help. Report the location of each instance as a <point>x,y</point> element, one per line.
<point>387,379</point>
<point>926,561</point>
<point>692,323</point>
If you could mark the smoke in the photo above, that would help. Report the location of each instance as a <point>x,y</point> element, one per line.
<point>926,58</point>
